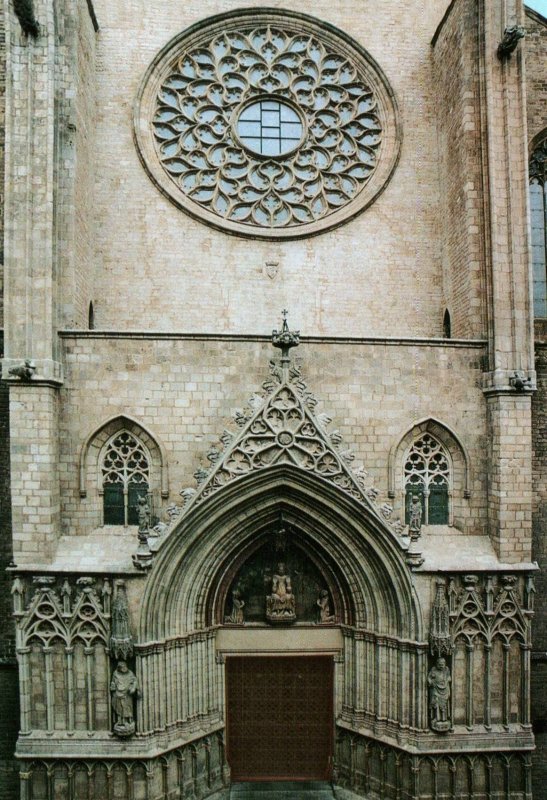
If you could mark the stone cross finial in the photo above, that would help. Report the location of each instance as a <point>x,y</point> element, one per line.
<point>284,340</point>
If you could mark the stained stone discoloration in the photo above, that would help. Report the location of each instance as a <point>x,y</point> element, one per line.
<point>428,626</point>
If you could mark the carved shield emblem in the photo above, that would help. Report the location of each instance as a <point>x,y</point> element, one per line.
<point>272,268</point>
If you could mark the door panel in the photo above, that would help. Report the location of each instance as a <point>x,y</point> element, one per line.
<point>280,717</point>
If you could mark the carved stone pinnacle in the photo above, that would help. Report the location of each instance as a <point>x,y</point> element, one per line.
<point>284,340</point>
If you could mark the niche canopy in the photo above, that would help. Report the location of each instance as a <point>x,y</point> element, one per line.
<point>267,124</point>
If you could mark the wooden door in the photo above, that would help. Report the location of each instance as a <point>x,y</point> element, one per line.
<point>280,723</point>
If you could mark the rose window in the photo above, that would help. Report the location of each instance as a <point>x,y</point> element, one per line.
<point>267,124</point>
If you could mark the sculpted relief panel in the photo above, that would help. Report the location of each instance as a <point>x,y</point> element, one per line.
<point>279,584</point>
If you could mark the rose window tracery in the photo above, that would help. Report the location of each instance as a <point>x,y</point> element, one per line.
<point>266,126</point>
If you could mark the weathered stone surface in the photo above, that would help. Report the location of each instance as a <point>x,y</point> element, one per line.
<point>143,320</point>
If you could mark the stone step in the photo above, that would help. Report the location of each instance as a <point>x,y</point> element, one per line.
<point>282,790</point>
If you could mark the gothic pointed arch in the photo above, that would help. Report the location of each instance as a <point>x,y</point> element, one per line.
<point>283,462</point>
<point>202,546</point>
<point>457,476</point>
<point>96,440</point>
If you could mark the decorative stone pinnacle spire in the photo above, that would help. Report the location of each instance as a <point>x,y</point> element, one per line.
<point>285,339</point>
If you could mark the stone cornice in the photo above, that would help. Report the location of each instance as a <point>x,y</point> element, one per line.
<point>397,341</point>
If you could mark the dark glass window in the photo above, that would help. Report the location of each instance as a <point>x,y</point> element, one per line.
<point>538,221</point>
<point>428,474</point>
<point>114,513</point>
<point>125,471</point>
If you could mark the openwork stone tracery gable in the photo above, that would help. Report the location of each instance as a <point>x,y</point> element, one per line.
<point>61,621</point>
<point>281,427</point>
<point>62,610</point>
<point>483,624</point>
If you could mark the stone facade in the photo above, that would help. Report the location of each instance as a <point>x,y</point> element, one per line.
<point>144,322</point>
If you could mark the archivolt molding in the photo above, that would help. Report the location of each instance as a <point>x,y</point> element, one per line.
<point>282,461</point>
<point>97,439</point>
<point>447,437</point>
<point>184,578</point>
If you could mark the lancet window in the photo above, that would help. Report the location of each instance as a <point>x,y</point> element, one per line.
<point>427,473</point>
<point>125,477</point>
<point>538,219</point>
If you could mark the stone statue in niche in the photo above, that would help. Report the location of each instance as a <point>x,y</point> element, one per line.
<point>323,603</point>
<point>124,688</point>
<point>438,680</point>
<point>280,604</point>
<point>416,514</point>
<point>237,616</point>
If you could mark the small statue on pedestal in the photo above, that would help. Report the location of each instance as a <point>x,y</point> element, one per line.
<point>324,616</point>
<point>143,511</point>
<point>237,616</point>
<point>280,604</point>
<point>416,514</point>
<point>123,687</point>
<point>438,680</point>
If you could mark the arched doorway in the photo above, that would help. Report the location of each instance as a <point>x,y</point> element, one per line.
<point>370,651</point>
<point>280,603</point>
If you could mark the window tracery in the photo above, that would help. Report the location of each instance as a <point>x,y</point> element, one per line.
<point>538,219</point>
<point>427,472</point>
<point>125,476</point>
<point>267,124</point>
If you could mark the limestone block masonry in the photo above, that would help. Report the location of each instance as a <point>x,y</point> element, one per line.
<point>184,490</point>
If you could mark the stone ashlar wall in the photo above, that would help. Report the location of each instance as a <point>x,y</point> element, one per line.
<point>185,393</point>
<point>455,60</point>
<point>174,273</point>
<point>539,517</point>
<point>536,97</point>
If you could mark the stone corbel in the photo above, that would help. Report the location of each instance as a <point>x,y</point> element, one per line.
<point>38,371</point>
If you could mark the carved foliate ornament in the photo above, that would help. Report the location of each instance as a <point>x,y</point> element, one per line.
<point>267,123</point>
